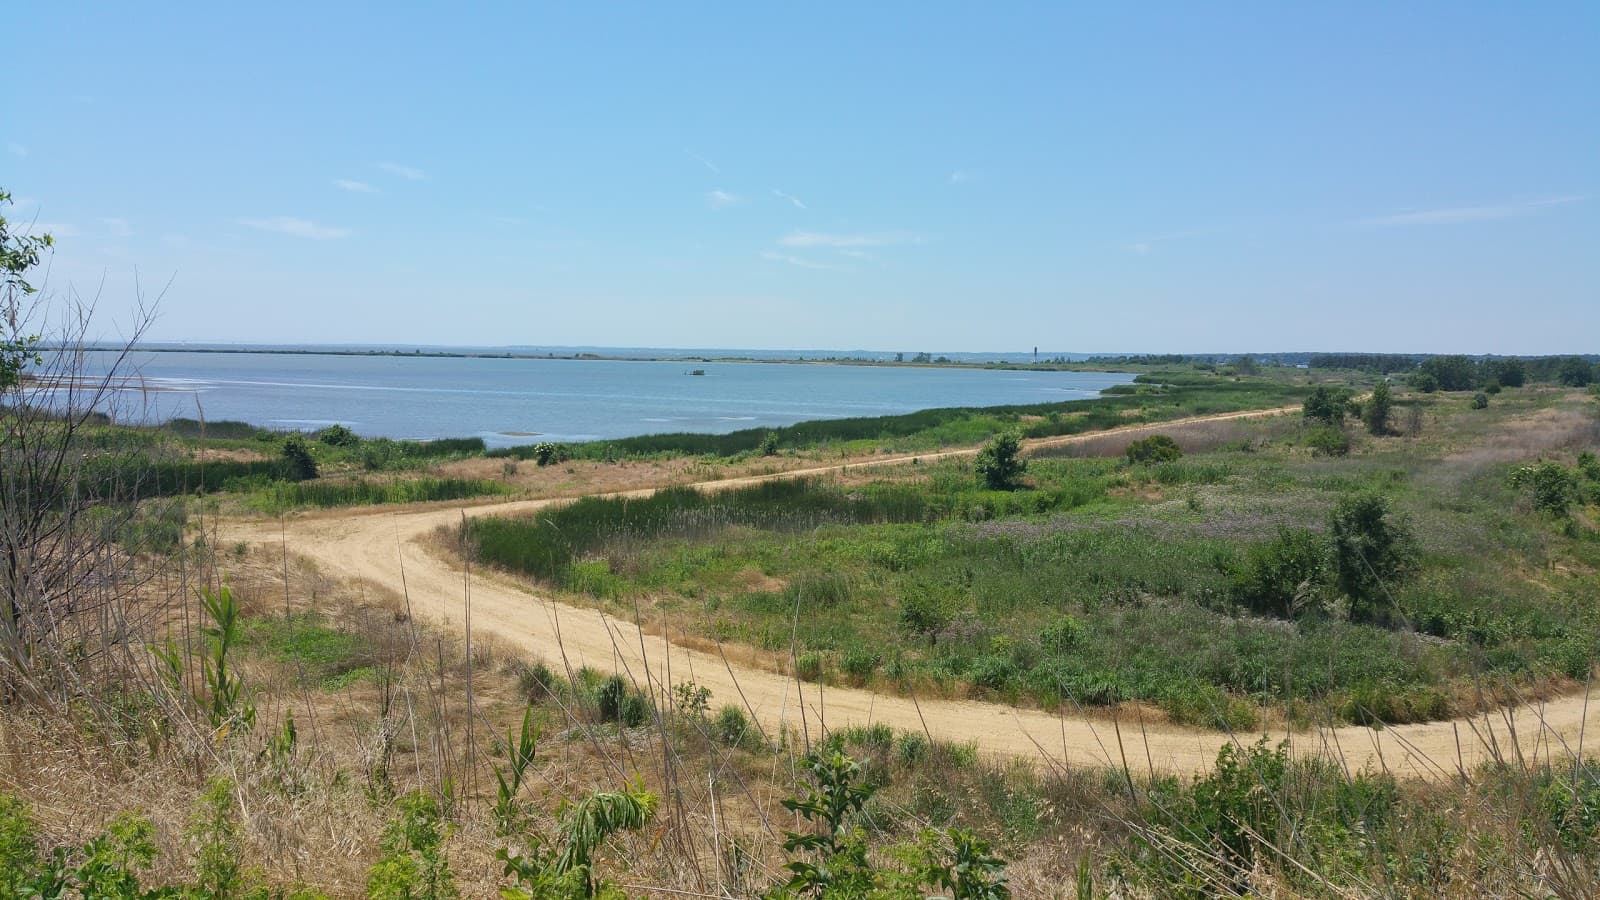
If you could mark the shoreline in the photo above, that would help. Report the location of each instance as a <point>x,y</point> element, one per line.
<point>1089,366</point>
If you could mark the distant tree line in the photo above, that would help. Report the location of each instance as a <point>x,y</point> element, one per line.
<point>1456,372</point>
<point>1381,363</point>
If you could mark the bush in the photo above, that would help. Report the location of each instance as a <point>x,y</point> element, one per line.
<point>808,667</point>
<point>925,612</point>
<point>297,458</point>
<point>858,663</point>
<point>1492,387</point>
<point>1157,448</point>
<point>1480,400</point>
<point>546,453</point>
<point>768,445</point>
<point>732,727</point>
<point>616,703</point>
<point>999,464</point>
<point>1371,551</point>
<point>337,436</point>
<point>1327,405</point>
<point>1328,440</point>
<point>1282,577</point>
<point>413,865</point>
<point>1062,635</point>
<point>993,672</point>
<point>1424,382</point>
<point>1551,484</point>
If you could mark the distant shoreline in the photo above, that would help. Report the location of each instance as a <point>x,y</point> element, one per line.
<point>941,363</point>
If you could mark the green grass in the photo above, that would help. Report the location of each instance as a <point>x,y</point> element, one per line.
<point>329,657</point>
<point>323,493</point>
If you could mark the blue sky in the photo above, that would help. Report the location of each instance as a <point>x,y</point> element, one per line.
<point>1160,177</point>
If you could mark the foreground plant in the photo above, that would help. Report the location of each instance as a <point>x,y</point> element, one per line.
<point>549,873</point>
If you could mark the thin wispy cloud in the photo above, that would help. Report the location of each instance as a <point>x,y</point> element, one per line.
<point>118,227</point>
<point>1143,246</point>
<point>1459,215</point>
<point>857,254</point>
<point>294,227</point>
<point>868,239</point>
<point>354,187</point>
<point>960,177</point>
<point>409,173</point>
<point>798,261</point>
<point>714,169</point>
<point>782,195</point>
<point>16,148</point>
<point>722,199</point>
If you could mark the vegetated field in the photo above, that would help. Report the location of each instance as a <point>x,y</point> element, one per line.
<point>1205,585</point>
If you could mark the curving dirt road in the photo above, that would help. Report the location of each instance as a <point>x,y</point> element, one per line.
<point>387,546</point>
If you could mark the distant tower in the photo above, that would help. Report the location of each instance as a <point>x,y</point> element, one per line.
<point>1036,356</point>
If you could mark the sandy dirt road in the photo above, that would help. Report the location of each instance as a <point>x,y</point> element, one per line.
<point>388,547</point>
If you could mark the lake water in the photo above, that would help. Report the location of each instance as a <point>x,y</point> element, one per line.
<point>510,401</point>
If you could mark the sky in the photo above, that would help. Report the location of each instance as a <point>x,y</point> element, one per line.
<point>1109,177</point>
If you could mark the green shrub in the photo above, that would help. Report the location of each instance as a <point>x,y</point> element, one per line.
<point>297,458</point>
<point>808,666</point>
<point>992,672</point>
<point>615,702</point>
<point>911,749</point>
<point>1480,400</point>
<point>1552,485</point>
<point>999,464</point>
<point>337,436</point>
<point>546,453</point>
<point>858,663</point>
<point>1062,635</point>
<point>1327,405</point>
<point>1328,440</point>
<point>1157,448</point>
<point>732,727</point>
<point>1371,553</point>
<point>215,832</point>
<point>413,864</point>
<point>1376,414</point>
<point>1283,576</point>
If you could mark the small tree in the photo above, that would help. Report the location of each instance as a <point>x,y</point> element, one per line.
<point>297,458</point>
<point>1000,465</point>
<point>1327,405</point>
<point>1480,400</point>
<point>1371,551</point>
<point>1424,382</point>
<point>1376,413</point>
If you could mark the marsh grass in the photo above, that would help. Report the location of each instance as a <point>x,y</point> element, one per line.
<point>275,497</point>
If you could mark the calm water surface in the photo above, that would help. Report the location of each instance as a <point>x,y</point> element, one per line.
<point>509,401</point>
